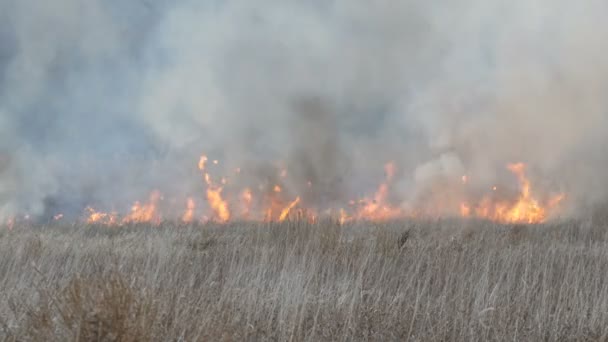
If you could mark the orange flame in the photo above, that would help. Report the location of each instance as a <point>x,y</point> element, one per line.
<point>274,203</point>
<point>189,213</point>
<point>526,209</point>
<point>286,211</point>
<point>218,205</point>
<point>96,217</point>
<point>214,193</point>
<point>378,208</point>
<point>146,212</point>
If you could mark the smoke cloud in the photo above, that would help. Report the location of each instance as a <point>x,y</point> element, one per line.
<point>102,102</point>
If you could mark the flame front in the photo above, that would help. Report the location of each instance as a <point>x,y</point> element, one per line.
<point>525,209</point>
<point>97,217</point>
<point>277,202</point>
<point>146,212</point>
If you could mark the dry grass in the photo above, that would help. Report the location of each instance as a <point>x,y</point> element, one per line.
<point>435,281</point>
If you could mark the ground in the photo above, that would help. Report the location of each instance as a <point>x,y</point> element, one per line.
<point>406,280</point>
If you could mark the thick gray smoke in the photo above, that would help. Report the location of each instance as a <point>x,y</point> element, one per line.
<point>102,101</point>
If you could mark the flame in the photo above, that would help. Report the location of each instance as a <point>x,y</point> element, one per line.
<point>189,213</point>
<point>377,208</point>
<point>218,205</point>
<point>214,194</point>
<point>260,202</point>
<point>58,217</point>
<point>525,209</point>
<point>97,217</point>
<point>286,211</point>
<point>142,213</point>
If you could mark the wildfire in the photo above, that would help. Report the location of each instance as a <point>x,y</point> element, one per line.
<point>525,209</point>
<point>146,212</point>
<point>189,213</point>
<point>225,201</point>
<point>219,206</point>
<point>379,207</point>
<point>97,217</point>
<point>287,209</point>
<point>214,193</point>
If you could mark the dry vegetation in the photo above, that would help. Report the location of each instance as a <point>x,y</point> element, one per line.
<point>436,281</point>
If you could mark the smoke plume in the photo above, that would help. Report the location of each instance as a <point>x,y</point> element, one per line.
<point>102,102</point>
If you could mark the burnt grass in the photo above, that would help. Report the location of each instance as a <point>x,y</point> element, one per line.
<point>447,280</point>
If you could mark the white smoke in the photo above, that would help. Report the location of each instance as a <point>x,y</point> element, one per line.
<point>103,101</point>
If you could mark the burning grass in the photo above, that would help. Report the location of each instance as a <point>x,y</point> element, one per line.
<point>272,201</point>
<point>440,280</point>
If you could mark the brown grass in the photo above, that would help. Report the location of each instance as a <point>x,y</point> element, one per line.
<point>418,281</point>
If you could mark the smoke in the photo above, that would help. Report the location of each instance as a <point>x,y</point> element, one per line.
<point>103,101</point>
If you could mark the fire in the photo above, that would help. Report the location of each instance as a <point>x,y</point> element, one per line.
<point>378,207</point>
<point>218,205</point>
<point>97,217</point>
<point>189,213</point>
<point>287,209</point>
<point>141,213</point>
<point>214,193</point>
<point>525,209</point>
<point>231,198</point>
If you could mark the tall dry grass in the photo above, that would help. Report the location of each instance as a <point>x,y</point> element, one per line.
<point>417,281</point>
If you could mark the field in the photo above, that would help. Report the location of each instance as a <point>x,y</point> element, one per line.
<point>407,280</point>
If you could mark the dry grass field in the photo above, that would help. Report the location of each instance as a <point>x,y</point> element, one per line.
<point>417,281</point>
